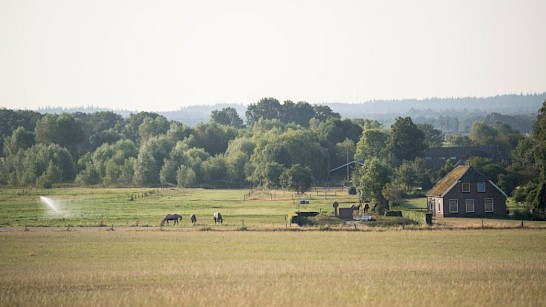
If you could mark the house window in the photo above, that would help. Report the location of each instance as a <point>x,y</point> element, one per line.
<point>453,206</point>
<point>481,187</point>
<point>489,205</point>
<point>469,205</point>
<point>466,186</point>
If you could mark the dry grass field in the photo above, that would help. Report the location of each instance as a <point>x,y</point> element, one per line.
<point>132,267</point>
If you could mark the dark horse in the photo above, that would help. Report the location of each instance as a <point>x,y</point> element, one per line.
<point>171,217</point>
<point>193,219</point>
<point>356,207</point>
<point>218,218</point>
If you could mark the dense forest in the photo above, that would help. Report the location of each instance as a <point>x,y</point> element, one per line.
<point>278,145</point>
<point>451,115</point>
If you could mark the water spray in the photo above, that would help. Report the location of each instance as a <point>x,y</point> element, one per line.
<point>50,202</point>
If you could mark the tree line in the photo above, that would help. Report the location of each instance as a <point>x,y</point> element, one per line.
<point>279,145</point>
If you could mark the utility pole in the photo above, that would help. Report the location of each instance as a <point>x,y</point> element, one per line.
<point>347,164</point>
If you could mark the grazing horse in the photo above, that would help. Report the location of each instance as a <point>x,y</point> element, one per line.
<point>193,218</point>
<point>218,218</point>
<point>171,217</point>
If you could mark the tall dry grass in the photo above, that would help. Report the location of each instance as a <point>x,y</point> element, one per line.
<point>392,268</point>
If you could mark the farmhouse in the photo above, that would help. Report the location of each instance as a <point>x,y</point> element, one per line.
<point>465,192</point>
<point>437,157</point>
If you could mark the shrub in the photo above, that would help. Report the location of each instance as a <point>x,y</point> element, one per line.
<point>326,220</point>
<point>528,215</point>
<point>312,218</point>
<point>352,191</point>
<point>393,213</point>
<point>302,221</point>
<point>392,222</point>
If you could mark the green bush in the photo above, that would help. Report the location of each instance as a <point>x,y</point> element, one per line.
<point>302,221</point>
<point>392,222</point>
<point>352,191</point>
<point>326,220</point>
<point>393,213</point>
<point>418,217</point>
<point>308,213</point>
<point>312,219</point>
<point>528,215</point>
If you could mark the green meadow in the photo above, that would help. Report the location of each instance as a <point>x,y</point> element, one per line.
<point>241,209</point>
<point>146,207</point>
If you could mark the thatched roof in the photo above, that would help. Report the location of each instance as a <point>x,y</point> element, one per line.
<point>459,173</point>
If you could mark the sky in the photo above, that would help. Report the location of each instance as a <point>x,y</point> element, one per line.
<point>162,55</point>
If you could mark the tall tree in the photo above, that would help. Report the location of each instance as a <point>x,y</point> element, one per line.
<point>20,139</point>
<point>290,148</point>
<point>52,163</point>
<point>133,123</point>
<point>153,127</point>
<point>324,112</point>
<point>212,137</point>
<point>406,140</point>
<point>370,179</point>
<point>482,134</point>
<point>11,120</point>
<point>368,123</point>
<point>298,113</point>
<point>413,174</point>
<point>336,131</point>
<point>64,130</point>
<point>266,108</point>
<point>433,136</point>
<point>372,143</point>
<point>100,127</point>
<point>215,171</point>
<point>457,140</point>
<point>297,177</point>
<point>146,170</point>
<point>227,116</point>
<point>539,136</point>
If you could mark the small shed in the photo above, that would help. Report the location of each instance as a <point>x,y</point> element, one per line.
<point>345,213</point>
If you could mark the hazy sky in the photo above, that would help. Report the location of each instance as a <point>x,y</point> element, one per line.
<point>162,55</point>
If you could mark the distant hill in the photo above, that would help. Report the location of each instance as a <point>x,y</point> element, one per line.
<point>505,104</point>
<point>193,115</point>
<point>385,111</point>
<point>466,110</point>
